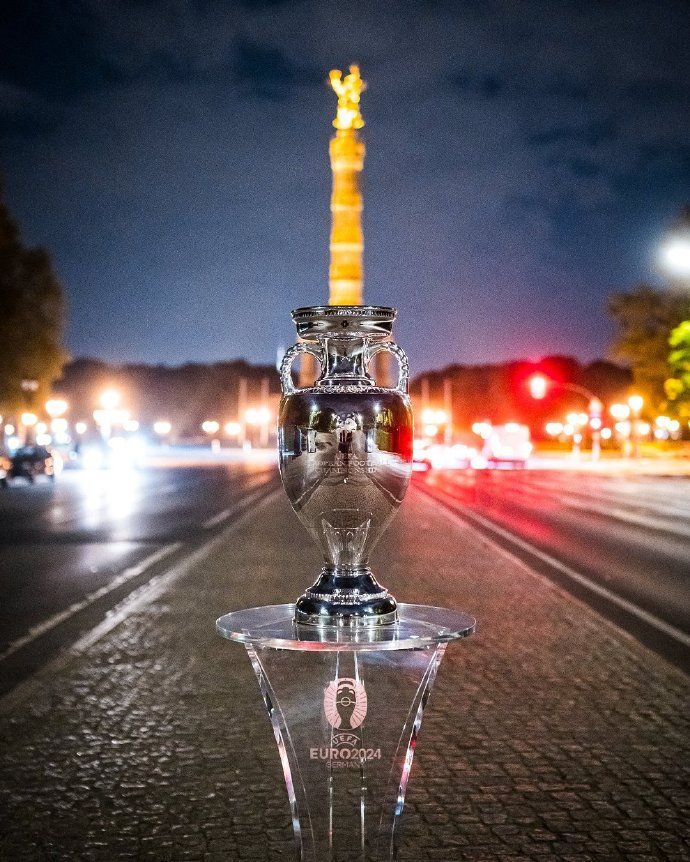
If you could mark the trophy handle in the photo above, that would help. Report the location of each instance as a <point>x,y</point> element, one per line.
<point>291,354</point>
<point>403,362</point>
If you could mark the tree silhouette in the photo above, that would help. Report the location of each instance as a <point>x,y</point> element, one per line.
<point>646,317</point>
<point>31,319</point>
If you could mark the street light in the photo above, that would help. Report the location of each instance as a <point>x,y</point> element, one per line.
<point>675,256</point>
<point>162,427</point>
<point>620,412</point>
<point>58,425</point>
<point>211,427</point>
<point>260,416</point>
<point>56,407</point>
<point>110,399</point>
<point>635,403</point>
<point>538,386</point>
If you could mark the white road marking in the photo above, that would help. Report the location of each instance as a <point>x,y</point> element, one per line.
<point>137,600</point>
<point>638,520</point>
<point>157,586</point>
<point>129,573</point>
<point>217,519</point>
<point>227,513</point>
<point>593,586</point>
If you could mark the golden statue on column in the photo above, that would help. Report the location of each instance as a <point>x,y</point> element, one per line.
<point>346,272</point>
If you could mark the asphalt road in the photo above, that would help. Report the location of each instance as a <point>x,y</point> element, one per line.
<point>620,543</point>
<point>70,551</point>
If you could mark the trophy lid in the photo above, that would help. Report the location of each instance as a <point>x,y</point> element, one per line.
<point>344,321</point>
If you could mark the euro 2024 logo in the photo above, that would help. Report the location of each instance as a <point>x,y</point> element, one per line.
<point>345,703</point>
<point>345,707</point>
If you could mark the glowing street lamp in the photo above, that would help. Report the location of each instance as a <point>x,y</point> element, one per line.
<point>260,416</point>
<point>675,255</point>
<point>233,429</point>
<point>162,427</point>
<point>29,419</point>
<point>109,414</point>
<point>620,412</point>
<point>636,403</point>
<point>56,407</point>
<point>81,428</point>
<point>110,399</point>
<point>210,426</point>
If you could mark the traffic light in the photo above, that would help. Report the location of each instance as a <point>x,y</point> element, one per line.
<point>538,384</point>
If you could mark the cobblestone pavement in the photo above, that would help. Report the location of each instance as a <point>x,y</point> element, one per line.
<point>550,734</point>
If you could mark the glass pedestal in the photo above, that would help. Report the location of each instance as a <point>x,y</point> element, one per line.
<point>346,706</point>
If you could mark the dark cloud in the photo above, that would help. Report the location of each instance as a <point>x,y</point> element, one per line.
<point>268,72</point>
<point>593,134</point>
<point>484,86</point>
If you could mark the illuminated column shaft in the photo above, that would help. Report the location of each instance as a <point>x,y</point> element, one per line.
<point>346,272</point>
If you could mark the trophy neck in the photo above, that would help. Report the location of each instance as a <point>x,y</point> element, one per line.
<point>345,361</point>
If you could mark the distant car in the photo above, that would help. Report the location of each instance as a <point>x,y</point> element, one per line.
<point>420,457</point>
<point>30,462</point>
<point>420,464</point>
<point>508,445</point>
<point>5,467</point>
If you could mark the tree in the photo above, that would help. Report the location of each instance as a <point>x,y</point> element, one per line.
<point>678,384</point>
<point>646,317</point>
<point>31,318</point>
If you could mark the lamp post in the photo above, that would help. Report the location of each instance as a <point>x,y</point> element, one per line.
<point>539,385</point>
<point>109,414</point>
<point>211,427</point>
<point>635,403</point>
<point>30,387</point>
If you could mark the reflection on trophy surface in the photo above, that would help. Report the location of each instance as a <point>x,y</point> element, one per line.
<point>345,457</point>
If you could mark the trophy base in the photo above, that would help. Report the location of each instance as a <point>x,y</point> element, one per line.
<point>346,597</point>
<point>311,611</point>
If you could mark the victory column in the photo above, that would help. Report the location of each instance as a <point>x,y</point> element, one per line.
<point>345,276</point>
<point>346,269</point>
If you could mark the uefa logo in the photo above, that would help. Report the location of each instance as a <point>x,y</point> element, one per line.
<point>345,703</point>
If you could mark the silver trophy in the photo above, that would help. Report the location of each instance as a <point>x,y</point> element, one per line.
<point>345,448</point>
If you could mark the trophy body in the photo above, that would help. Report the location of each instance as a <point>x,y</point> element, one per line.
<point>345,457</point>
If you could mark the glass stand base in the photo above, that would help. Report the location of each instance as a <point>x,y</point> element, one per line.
<point>346,706</point>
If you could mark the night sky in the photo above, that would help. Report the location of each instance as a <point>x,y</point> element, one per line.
<point>523,161</point>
